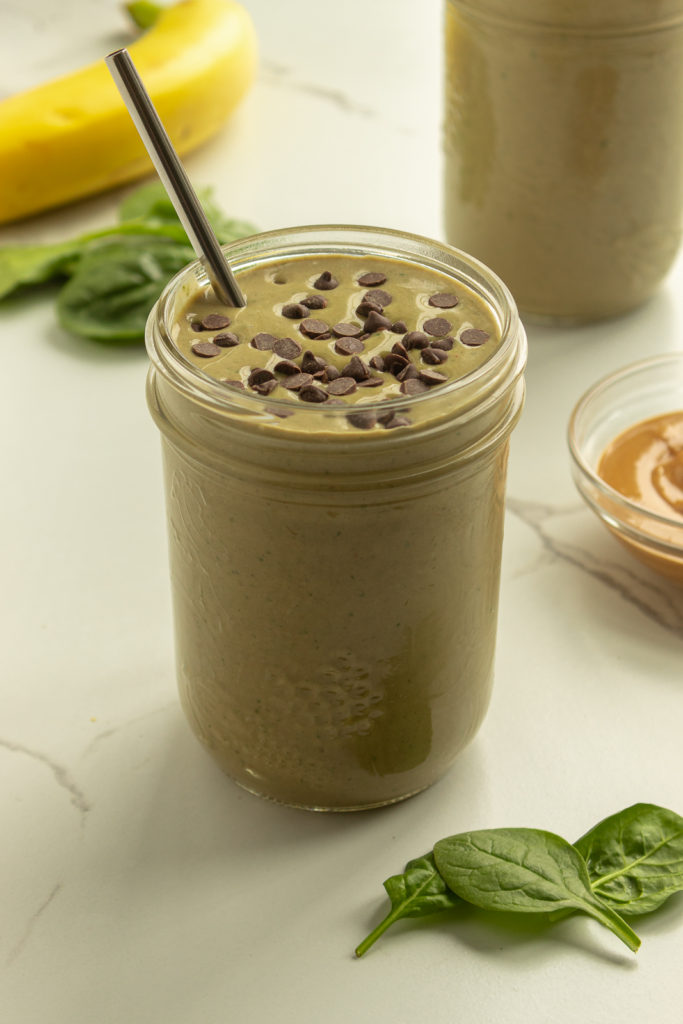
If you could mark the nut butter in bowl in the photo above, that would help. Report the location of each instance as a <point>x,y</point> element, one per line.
<point>335,457</point>
<point>626,445</point>
<point>563,136</point>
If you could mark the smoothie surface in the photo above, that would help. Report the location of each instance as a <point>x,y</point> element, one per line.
<point>340,330</point>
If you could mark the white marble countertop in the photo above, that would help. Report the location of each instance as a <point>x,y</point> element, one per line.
<point>139,885</point>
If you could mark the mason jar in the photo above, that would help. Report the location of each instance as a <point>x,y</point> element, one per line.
<point>563,134</point>
<point>335,590</point>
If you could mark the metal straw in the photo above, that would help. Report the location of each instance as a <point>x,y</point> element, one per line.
<point>173,177</point>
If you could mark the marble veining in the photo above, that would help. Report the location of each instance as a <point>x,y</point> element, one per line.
<point>19,945</point>
<point>280,75</point>
<point>61,775</point>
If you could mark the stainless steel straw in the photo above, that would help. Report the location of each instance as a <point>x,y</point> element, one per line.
<point>173,177</point>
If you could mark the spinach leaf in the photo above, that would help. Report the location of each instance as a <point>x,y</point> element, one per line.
<point>115,286</point>
<point>635,858</point>
<point>150,205</point>
<point>418,891</point>
<point>35,264</point>
<point>523,870</point>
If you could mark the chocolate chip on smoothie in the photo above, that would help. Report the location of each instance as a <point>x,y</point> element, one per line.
<point>379,296</point>
<point>377,363</point>
<point>341,386</point>
<point>312,393</point>
<point>311,363</point>
<point>443,300</point>
<point>473,336</point>
<point>393,363</point>
<point>376,322</point>
<point>433,356</point>
<point>413,386</point>
<point>356,369</point>
<point>263,342</point>
<point>416,339</point>
<point>408,372</point>
<point>364,308</point>
<point>372,278</point>
<point>344,330</point>
<point>438,326</point>
<point>265,387</point>
<point>233,383</point>
<point>313,328</point>
<point>296,381</point>
<point>294,310</point>
<point>347,346</point>
<point>226,340</point>
<point>314,302</point>
<point>432,377</point>
<point>205,349</point>
<point>260,376</point>
<point>214,321</point>
<point>399,327</point>
<point>399,349</point>
<point>330,373</point>
<point>286,348</point>
<point>371,382</point>
<point>445,344</point>
<point>288,367</point>
<point>363,420</point>
<point>326,282</point>
<point>389,420</point>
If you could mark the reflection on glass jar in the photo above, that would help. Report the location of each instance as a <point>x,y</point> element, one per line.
<point>564,148</point>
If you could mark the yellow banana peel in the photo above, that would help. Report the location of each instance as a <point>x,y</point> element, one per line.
<point>73,137</point>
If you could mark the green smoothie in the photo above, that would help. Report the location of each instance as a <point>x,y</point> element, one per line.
<point>335,459</point>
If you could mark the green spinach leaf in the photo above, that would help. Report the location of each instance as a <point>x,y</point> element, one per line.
<point>523,870</point>
<point>114,288</point>
<point>150,205</point>
<point>418,891</point>
<point>635,858</point>
<point>35,264</point>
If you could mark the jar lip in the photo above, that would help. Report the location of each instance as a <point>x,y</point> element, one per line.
<point>584,21</point>
<point>348,239</point>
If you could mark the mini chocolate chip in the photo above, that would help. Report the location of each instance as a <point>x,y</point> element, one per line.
<point>311,363</point>
<point>445,344</point>
<point>344,330</point>
<point>413,386</point>
<point>341,386</point>
<point>205,349</point>
<point>312,393</point>
<point>376,322</point>
<point>259,376</point>
<point>443,300</point>
<point>313,328</point>
<point>356,369</point>
<point>473,336</point>
<point>438,326</point>
<point>226,340</point>
<point>264,387</point>
<point>294,310</point>
<point>377,363</point>
<point>394,363</point>
<point>347,346</point>
<point>214,321</point>
<point>416,339</point>
<point>296,381</point>
<point>263,342</point>
<point>325,282</point>
<point>433,356</point>
<point>196,325</point>
<point>314,302</point>
<point>233,383</point>
<point>331,372</point>
<point>433,377</point>
<point>371,382</point>
<point>396,421</point>
<point>400,349</point>
<point>287,366</point>
<point>287,348</point>
<point>408,372</point>
<point>399,327</point>
<point>377,295</point>
<point>363,420</point>
<point>366,308</point>
<point>372,278</point>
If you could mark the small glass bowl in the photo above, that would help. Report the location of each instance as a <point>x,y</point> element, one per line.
<point>638,392</point>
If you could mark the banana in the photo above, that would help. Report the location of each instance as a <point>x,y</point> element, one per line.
<point>73,137</point>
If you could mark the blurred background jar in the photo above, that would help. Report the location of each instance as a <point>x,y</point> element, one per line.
<point>564,148</point>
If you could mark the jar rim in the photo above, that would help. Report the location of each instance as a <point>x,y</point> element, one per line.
<point>349,239</point>
<point>587,19</point>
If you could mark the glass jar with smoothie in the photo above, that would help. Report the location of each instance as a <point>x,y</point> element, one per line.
<point>335,457</point>
<point>564,147</point>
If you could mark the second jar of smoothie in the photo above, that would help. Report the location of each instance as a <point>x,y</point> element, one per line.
<point>564,147</point>
<point>335,458</point>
